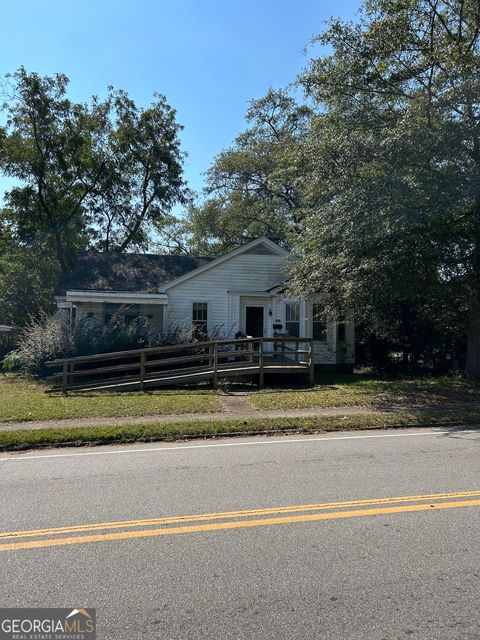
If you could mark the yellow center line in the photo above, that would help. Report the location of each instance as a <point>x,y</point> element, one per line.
<point>233,514</point>
<point>236,524</point>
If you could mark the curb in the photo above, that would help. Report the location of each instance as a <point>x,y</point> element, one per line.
<point>232,434</point>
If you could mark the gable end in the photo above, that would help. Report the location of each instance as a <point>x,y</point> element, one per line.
<point>261,250</point>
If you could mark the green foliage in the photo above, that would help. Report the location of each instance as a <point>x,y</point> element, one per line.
<point>104,175</point>
<point>392,190</point>
<point>12,362</point>
<point>252,187</point>
<point>144,173</point>
<point>47,338</point>
<point>28,274</point>
<point>101,173</point>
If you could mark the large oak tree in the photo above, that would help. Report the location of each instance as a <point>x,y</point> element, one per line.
<point>392,222</point>
<point>103,174</point>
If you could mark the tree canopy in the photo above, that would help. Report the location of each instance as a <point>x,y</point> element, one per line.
<point>392,195</point>
<point>99,174</point>
<point>103,174</point>
<point>252,187</point>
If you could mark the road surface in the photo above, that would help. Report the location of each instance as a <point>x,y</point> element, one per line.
<point>362,535</point>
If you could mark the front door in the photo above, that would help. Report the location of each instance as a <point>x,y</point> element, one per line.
<point>254,321</point>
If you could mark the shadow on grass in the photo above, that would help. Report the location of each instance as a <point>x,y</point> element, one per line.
<point>380,391</point>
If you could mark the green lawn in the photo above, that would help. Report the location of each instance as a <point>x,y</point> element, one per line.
<point>22,399</point>
<point>337,390</point>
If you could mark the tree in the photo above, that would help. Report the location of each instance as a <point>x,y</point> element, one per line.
<point>392,193</point>
<point>102,174</point>
<point>145,174</point>
<point>27,278</point>
<point>252,187</point>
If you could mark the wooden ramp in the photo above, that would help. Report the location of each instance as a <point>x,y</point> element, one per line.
<point>184,364</point>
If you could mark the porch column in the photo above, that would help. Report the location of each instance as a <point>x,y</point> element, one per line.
<point>303,318</point>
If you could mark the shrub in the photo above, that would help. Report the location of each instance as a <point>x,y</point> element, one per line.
<point>91,336</point>
<point>12,361</point>
<point>7,342</point>
<point>45,339</point>
<point>52,337</point>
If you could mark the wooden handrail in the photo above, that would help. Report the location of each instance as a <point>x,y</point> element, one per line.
<point>178,347</point>
<point>211,356</point>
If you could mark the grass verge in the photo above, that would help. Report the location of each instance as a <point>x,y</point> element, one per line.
<point>51,437</point>
<point>22,399</point>
<point>341,390</point>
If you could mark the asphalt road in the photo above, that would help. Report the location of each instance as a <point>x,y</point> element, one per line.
<point>375,569</point>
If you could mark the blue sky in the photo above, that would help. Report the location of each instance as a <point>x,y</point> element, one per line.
<point>210,57</point>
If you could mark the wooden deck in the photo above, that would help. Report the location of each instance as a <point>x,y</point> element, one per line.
<point>184,364</point>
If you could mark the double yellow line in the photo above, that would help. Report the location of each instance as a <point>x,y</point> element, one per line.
<point>121,530</point>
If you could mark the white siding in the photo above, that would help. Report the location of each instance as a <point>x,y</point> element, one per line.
<point>345,353</point>
<point>325,351</point>
<point>227,288</point>
<point>330,351</point>
<point>221,288</point>
<point>245,272</point>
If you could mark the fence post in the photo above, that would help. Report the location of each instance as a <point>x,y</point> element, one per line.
<point>65,376</point>
<point>312,365</point>
<point>215,365</point>
<point>143,359</point>
<point>211,356</point>
<point>261,372</point>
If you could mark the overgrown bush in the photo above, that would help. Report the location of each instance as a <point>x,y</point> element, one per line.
<point>52,337</point>
<point>45,339</point>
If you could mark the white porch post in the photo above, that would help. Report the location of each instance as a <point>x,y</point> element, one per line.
<point>303,318</point>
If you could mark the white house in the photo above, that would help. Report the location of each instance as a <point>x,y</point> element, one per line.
<point>240,292</point>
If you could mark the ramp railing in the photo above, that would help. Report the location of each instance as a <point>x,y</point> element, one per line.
<point>185,363</point>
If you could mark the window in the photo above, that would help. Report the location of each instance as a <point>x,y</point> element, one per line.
<point>199,319</point>
<point>134,317</point>
<point>112,310</point>
<point>341,332</point>
<point>292,319</point>
<point>319,326</point>
<point>126,313</point>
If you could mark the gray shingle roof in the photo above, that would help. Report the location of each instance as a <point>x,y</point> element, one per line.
<point>126,272</point>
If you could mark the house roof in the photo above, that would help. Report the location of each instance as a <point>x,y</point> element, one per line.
<point>260,245</point>
<point>143,273</point>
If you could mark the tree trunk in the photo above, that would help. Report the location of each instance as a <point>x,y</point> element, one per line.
<point>61,253</point>
<point>472,365</point>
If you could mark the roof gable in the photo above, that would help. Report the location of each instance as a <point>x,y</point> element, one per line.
<point>262,246</point>
<point>260,250</point>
